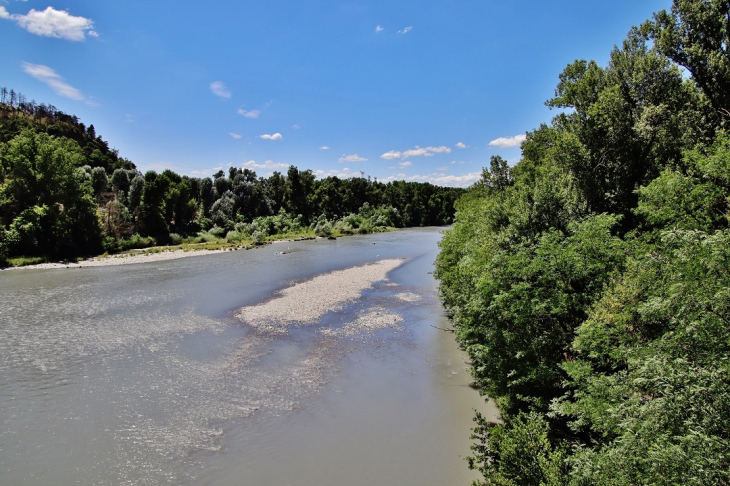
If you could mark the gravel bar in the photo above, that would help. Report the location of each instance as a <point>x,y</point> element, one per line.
<point>306,302</point>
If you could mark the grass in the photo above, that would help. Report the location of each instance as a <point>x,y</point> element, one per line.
<point>22,261</point>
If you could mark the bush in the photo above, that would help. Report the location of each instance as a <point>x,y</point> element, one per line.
<point>258,237</point>
<point>3,249</point>
<point>323,229</point>
<point>135,242</point>
<point>235,237</point>
<point>217,231</point>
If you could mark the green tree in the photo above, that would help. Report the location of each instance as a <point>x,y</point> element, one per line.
<point>627,122</point>
<point>696,35</point>
<point>99,180</point>
<point>46,204</point>
<point>518,453</point>
<point>152,206</point>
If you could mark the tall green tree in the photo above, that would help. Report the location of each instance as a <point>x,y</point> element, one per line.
<point>46,204</point>
<point>696,35</point>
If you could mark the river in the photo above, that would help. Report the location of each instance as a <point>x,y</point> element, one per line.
<point>148,374</point>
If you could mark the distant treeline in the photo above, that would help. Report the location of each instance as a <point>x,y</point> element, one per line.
<point>590,283</point>
<point>64,192</point>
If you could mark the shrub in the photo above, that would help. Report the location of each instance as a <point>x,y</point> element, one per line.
<point>323,229</point>
<point>175,239</point>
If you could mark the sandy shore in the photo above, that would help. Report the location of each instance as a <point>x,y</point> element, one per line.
<point>125,259</point>
<point>306,302</point>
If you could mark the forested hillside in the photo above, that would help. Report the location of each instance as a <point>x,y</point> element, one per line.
<point>64,193</point>
<point>590,283</point>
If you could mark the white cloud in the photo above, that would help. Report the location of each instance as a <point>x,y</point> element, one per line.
<point>379,29</point>
<point>235,135</point>
<point>324,147</point>
<point>345,173</point>
<point>219,89</point>
<point>248,114</point>
<point>203,172</point>
<point>296,127</point>
<point>53,23</point>
<point>275,136</point>
<point>439,150</point>
<point>352,158</point>
<point>129,118</point>
<point>461,145</point>
<point>405,30</point>
<point>391,155</point>
<point>507,142</point>
<point>463,180</point>
<point>443,169</point>
<point>417,152</point>
<point>268,165</point>
<point>46,75</point>
<point>405,164</point>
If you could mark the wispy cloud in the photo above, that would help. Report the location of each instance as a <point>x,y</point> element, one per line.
<point>416,152</point>
<point>275,136</point>
<point>219,89</point>
<point>352,158</point>
<point>461,145</point>
<point>345,173</point>
<point>324,147</point>
<point>405,164</point>
<point>405,30</point>
<point>379,29</point>
<point>53,23</point>
<point>463,180</point>
<point>204,172</point>
<point>247,113</point>
<point>48,76</point>
<point>129,118</point>
<point>268,165</point>
<point>507,142</point>
<point>391,155</point>
<point>442,169</point>
<point>235,135</point>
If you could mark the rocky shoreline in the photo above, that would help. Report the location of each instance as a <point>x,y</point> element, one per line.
<point>122,259</point>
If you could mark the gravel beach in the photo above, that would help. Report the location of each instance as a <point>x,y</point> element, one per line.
<point>125,259</point>
<point>306,302</point>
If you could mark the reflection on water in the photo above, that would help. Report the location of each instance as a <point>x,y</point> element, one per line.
<point>142,374</point>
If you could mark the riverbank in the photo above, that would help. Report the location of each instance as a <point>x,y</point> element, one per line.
<point>121,259</point>
<point>148,255</point>
<point>163,253</point>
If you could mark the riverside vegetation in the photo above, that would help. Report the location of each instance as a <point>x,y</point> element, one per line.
<point>64,193</point>
<point>590,283</point>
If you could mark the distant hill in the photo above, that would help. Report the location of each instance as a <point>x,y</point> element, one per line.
<point>17,114</point>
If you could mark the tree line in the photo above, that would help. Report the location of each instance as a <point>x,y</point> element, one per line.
<point>590,282</point>
<point>64,193</point>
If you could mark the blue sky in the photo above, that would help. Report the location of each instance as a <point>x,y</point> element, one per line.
<point>410,90</point>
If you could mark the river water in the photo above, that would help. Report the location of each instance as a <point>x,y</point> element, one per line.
<point>144,374</point>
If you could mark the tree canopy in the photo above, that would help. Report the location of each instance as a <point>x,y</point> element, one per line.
<point>589,282</point>
<point>63,193</point>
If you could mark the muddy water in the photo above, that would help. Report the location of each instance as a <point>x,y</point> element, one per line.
<point>145,374</point>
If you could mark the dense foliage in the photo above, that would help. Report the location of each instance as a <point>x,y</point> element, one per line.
<point>590,283</point>
<point>63,193</point>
